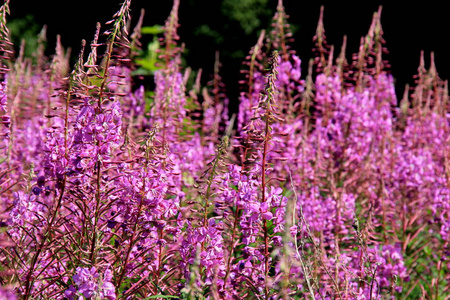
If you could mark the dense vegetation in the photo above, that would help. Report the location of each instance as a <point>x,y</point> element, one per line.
<point>321,186</point>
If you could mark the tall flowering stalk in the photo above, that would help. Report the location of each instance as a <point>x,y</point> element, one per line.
<point>203,239</point>
<point>5,54</point>
<point>259,134</point>
<point>5,44</point>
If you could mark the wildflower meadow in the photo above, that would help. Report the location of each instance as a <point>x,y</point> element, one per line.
<point>322,185</point>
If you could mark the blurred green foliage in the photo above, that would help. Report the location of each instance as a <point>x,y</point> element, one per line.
<point>148,60</point>
<point>248,13</point>
<point>24,29</point>
<point>205,30</point>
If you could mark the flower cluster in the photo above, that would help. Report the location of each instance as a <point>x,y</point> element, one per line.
<point>89,284</point>
<point>6,118</point>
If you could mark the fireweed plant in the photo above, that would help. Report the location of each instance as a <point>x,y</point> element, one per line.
<point>321,187</point>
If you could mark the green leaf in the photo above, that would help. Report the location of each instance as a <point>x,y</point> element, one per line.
<point>162,296</point>
<point>156,29</point>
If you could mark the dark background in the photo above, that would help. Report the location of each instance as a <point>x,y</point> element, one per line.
<point>408,29</point>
